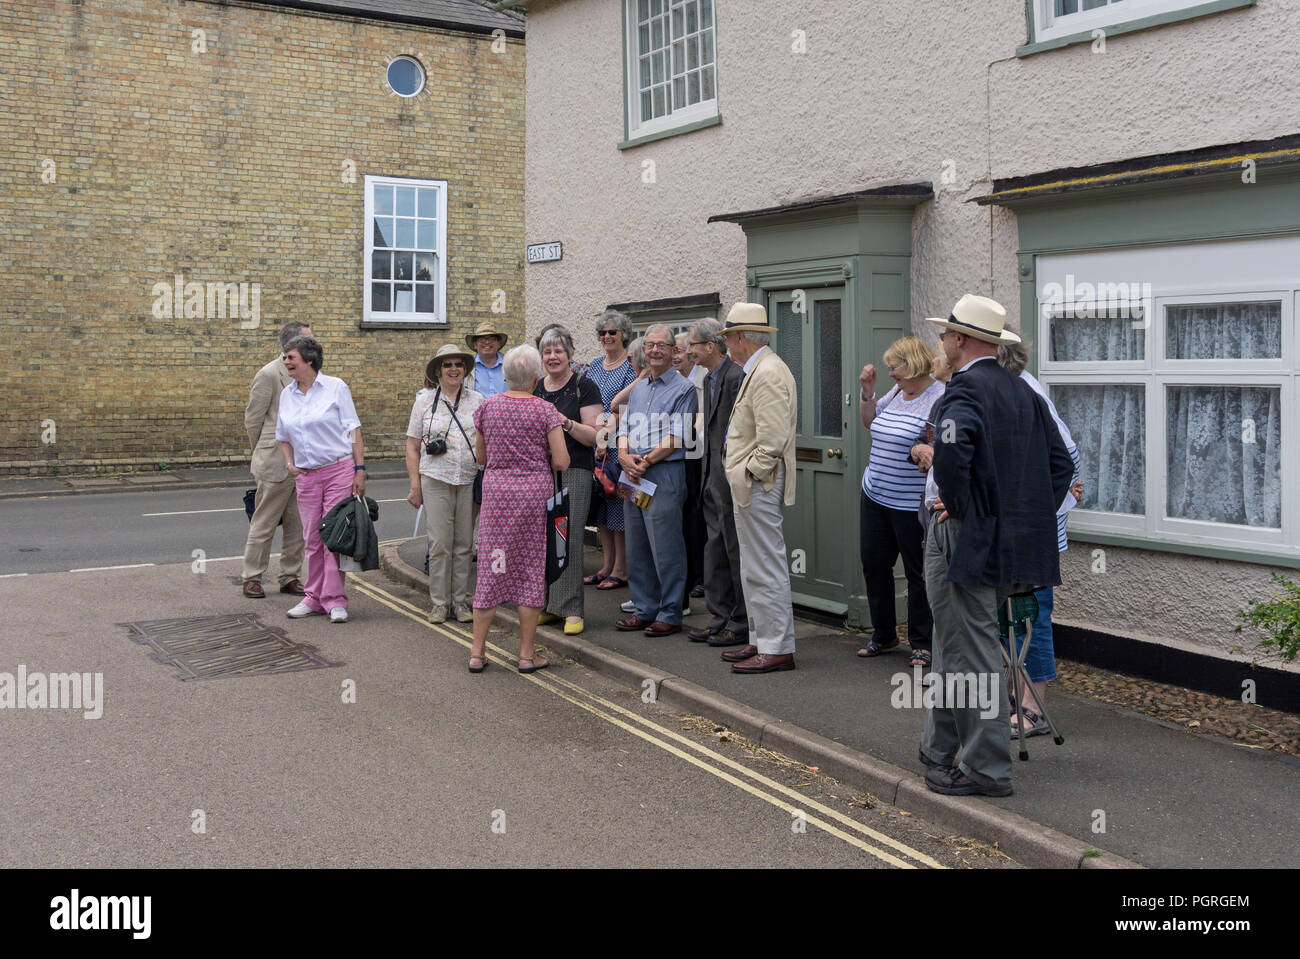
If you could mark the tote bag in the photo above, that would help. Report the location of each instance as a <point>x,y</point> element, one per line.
<point>557,533</point>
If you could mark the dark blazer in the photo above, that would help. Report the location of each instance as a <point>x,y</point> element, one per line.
<point>1002,469</point>
<point>717,415</point>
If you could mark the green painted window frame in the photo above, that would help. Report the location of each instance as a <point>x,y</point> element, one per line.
<point>628,142</point>
<point>1185,210</point>
<point>1208,8</point>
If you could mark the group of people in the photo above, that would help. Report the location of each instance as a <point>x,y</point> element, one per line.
<point>970,476</point>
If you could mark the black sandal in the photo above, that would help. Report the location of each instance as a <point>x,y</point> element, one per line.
<point>873,648</point>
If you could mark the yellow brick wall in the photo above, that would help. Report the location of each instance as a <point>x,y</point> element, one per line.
<point>127,157</point>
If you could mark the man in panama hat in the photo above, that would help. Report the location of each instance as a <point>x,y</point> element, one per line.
<point>1001,468</point>
<point>759,463</point>
<point>488,374</point>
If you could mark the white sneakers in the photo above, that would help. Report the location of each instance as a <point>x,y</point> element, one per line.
<point>628,607</point>
<point>438,614</point>
<point>338,614</point>
<point>464,614</point>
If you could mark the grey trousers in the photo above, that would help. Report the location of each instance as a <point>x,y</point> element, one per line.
<point>274,500</point>
<point>449,522</point>
<point>764,574</point>
<point>723,590</point>
<point>965,642</point>
<point>564,596</point>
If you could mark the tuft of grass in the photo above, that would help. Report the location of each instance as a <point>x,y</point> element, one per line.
<point>1091,853</point>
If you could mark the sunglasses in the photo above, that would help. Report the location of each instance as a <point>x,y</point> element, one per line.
<point>453,364</point>
<point>607,332</point>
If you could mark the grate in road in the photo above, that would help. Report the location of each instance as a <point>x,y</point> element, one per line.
<point>214,647</point>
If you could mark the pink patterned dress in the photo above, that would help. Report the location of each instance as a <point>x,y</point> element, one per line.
<point>518,481</point>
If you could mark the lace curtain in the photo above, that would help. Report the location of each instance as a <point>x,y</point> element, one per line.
<point>1223,443</point>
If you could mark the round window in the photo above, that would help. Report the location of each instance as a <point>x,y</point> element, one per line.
<point>406,76</point>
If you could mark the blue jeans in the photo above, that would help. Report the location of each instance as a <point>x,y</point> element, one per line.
<point>1040,659</point>
<point>656,550</point>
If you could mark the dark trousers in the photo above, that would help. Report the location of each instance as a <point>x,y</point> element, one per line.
<point>885,534</point>
<point>723,590</point>
<point>693,531</point>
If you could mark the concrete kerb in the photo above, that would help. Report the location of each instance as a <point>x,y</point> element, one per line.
<point>142,483</point>
<point>1030,843</point>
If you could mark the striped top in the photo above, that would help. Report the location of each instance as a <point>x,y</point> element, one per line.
<point>1067,504</point>
<point>891,478</point>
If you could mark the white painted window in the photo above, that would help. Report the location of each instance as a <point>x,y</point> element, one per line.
<point>405,256</point>
<point>1062,18</point>
<point>671,62</point>
<point>1176,370</point>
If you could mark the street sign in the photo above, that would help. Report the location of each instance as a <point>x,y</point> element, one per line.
<point>545,252</point>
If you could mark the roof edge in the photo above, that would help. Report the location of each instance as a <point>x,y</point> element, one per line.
<point>902,192</point>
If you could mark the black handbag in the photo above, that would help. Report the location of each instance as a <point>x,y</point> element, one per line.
<point>557,533</point>
<point>250,504</point>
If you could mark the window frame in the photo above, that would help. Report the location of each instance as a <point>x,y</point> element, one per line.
<point>1156,373</point>
<point>692,117</point>
<point>1044,33</point>
<point>439,316</point>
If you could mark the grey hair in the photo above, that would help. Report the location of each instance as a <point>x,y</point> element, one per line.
<point>1013,357</point>
<point>311,352</point>
<point>666,328</point>
<point>554,335</point>
<point>619,321</point>
<point>636,353</point>
<point>760,339</point>
<point>710,331</point>
<point>291,331</point>
<point>523,368</point>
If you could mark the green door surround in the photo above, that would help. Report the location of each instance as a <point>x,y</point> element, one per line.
<point>1185,209</point>
<point>864,245</point>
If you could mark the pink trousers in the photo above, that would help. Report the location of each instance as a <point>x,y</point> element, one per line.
<point>319,491</point>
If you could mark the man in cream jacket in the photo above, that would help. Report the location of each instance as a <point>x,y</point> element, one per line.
<point>760,471</point>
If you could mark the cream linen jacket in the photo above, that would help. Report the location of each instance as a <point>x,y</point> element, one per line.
<point>761,435</point>
<point>259,421</point>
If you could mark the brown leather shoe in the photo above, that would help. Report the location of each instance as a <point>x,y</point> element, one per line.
<point>294,587</point>
<point>737,655</point>
<point>726,637</point>
<point>700,635</point>
<point>631,624</point>
<point>253,589</point>
<point>660,628</point>
<point>765,663</point>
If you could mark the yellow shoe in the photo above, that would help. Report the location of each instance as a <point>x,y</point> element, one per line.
<point>545,618</point>
<point>573,629</point>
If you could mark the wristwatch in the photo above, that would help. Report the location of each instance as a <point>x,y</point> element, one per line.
<point>357,469</point>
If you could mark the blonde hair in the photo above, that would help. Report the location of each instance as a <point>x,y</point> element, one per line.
<point>912,352</point>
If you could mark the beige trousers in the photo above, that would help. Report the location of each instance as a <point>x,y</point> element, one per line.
<point>274,500</point>
<point>449,522</point>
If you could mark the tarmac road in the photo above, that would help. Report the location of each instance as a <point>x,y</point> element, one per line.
<point>429,766</point>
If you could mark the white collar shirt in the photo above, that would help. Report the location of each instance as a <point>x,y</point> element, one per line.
<point>749,363</point>
<point>318,425</point>
<point>457,466</point>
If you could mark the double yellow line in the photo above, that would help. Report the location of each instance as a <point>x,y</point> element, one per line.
<point>723,767</point>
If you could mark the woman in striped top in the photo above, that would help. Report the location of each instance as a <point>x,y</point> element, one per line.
<point>891,495</point>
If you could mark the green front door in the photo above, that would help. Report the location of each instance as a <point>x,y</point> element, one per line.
<point>821,528</point>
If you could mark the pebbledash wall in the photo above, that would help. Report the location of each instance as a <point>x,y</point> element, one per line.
<point>142,140</point>
<point>817,100</point>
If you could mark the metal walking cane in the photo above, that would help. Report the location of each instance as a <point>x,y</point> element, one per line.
<point>1022,607</point>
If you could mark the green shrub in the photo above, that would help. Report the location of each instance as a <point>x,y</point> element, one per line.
<point>1280,616</point>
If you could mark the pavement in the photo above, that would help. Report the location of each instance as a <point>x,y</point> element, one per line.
<point>1122,790</point>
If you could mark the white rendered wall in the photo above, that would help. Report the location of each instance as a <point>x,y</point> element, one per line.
<point>922,90</point>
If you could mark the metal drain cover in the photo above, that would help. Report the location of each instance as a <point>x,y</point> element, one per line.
<point>214,647</point>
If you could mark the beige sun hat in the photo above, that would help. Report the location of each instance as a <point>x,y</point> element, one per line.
<point>979,318</point>
<point>747,318</point>
<point>446,352</point>
<point>486,329</point>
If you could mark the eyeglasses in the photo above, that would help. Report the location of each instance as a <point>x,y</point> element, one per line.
<point>896,367</point>
<point>649,345</point>
<point>453,364</point>
<point>607,332</point>
<point>701,342</point>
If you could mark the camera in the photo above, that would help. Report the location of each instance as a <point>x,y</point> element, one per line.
<point>435,447</point>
